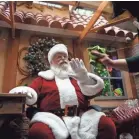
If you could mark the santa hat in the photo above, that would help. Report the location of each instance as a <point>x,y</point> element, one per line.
<point>58,48</point>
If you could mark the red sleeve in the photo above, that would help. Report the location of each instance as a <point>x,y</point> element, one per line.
<point>37,84</point>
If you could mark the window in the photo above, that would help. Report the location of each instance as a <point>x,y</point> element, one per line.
<point>113,81</point>
<point>86,12</point>
<point>48,4</point>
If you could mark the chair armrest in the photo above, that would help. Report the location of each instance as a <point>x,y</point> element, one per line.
<point>95,107</point>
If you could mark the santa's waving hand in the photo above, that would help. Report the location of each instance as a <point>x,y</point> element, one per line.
<point>85,79</point>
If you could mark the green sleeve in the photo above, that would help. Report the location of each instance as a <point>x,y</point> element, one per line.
<point>133,63</point>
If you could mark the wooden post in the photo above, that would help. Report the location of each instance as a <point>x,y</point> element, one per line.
<point>80,51</point>
<point>126,76</point>
<point>11,4</point>
<point>133,85</point>
<point>93,19</point>
<point>9,79</point>
<point>77,49</point>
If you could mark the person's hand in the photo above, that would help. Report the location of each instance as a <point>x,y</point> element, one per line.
<point>79,70</point>
<point>77,65</point>
<point>103,58</point>
<point>22,90</point>
<point>31,94</point>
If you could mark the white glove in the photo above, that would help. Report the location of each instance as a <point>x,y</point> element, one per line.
<point>80,72</point>
<point>89,83</point>
<point>30,93</point>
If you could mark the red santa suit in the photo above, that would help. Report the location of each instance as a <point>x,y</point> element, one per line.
<point>56,94</point>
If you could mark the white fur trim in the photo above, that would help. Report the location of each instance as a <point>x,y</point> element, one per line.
<point>89,124</point>
<point>90,89</point>
<point>54,122</point>
<point>67,92</point>
<point>55,49</point>
<point>85,127</point>
<point>31,93</point>
<point>72,124</point>
<point>48,75</point>
<point>126,136</point>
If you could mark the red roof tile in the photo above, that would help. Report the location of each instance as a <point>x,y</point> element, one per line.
<point>76,22</point>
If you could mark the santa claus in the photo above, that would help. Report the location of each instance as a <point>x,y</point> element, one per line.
<point>61,94</point>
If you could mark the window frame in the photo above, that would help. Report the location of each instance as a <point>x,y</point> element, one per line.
<point>112,97</point>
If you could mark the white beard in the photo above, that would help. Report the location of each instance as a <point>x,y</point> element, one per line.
<point>62,71</point>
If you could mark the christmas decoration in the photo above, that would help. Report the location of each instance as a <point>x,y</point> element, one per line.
<point>36,56</point>
<point>118,92</point>
<point>97,48</point>
<point>100,69</point>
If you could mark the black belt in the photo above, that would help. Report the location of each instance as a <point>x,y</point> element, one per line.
<point>68,111</point>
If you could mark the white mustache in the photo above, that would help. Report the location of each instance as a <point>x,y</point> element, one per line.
<point>63,61</point>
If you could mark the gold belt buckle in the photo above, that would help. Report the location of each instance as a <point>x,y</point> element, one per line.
<point>76,111</point>
<point>66,110</point>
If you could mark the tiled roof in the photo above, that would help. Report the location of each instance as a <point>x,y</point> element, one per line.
<point>76,22</point>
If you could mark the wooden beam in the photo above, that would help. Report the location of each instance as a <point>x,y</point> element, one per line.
<point>95,37</point>
<point>108,103</point>
<point>11,4</point>
<point>4,18</point>
<point>112,23</point>
<point>68,33</point>
<point>44,30</point>
<point>48,31</point>
<point>93,20</point>
<point>10,72</point>
<point>64,33</point>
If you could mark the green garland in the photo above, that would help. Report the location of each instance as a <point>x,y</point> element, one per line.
<point>36,56</point>
<point>100,69</point>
